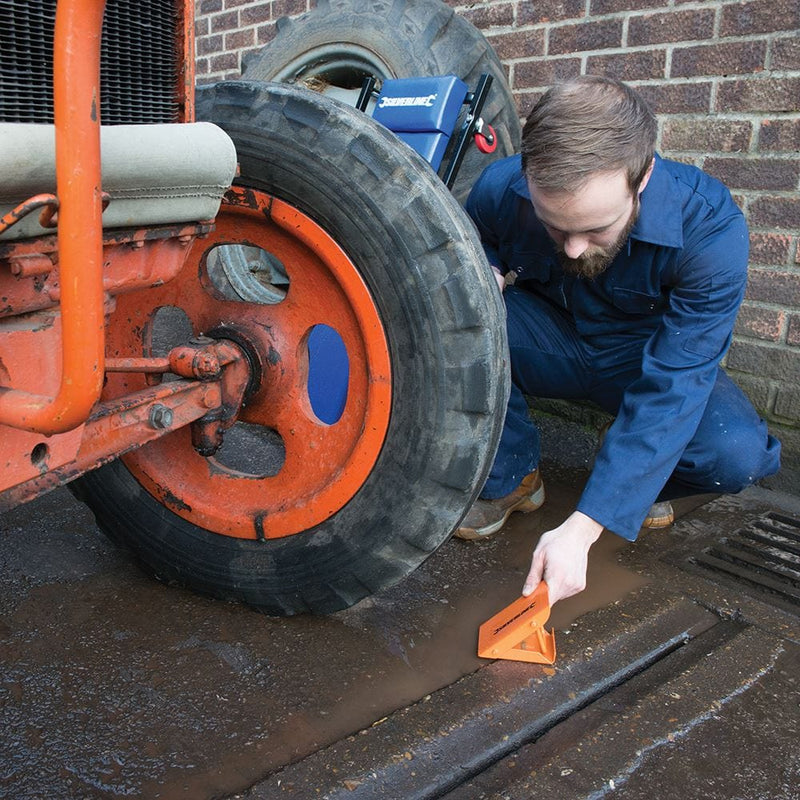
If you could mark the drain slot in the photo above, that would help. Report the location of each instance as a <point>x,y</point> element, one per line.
<point>765,555</point>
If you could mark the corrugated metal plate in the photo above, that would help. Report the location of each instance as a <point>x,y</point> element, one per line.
<point>764,555</point>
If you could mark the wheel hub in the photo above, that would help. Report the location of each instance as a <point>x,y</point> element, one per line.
<point>324,463</point>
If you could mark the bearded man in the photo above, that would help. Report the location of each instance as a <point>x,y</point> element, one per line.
<point>622,275</point>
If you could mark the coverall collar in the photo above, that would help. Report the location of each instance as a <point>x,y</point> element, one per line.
<point>660,220</point>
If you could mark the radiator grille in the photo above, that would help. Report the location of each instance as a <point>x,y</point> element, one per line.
<point>139,64</point>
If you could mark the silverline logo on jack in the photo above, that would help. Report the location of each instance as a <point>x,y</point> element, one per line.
<point>425,100</point>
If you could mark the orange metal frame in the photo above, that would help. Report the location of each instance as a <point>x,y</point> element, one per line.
<point>76,103</point>
<point>76,96</point>
<point>186,90</point>
<point>53,424</point>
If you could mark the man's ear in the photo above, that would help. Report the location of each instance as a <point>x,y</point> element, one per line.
<point>647,175</point>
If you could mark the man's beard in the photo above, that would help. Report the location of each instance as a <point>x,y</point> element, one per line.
<point>595,261</point>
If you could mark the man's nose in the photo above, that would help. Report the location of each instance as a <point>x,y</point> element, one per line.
<point>575,245</point>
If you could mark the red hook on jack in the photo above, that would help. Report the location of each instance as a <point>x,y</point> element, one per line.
<point>486,142</point>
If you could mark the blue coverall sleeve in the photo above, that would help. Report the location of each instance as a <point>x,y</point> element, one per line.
<point>661,410</point>
<point>485,205</point>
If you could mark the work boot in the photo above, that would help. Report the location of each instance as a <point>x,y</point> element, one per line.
<point>660,515</point>
<point>488,516</point>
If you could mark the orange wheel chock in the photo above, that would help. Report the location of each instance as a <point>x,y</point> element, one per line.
<point>517,632</point>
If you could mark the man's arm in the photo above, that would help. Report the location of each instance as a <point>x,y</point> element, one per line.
<point>561,557</point>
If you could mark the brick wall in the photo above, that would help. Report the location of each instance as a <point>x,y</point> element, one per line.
<point>723,77</point>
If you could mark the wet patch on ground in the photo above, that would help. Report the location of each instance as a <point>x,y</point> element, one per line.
<point>112,685</point>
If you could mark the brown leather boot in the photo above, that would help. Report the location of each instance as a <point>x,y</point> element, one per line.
<point>488,516</point>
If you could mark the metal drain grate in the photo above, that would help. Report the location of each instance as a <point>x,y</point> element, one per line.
<point>765,554</point>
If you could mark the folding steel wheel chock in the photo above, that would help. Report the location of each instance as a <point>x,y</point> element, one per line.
<point>517,632</point>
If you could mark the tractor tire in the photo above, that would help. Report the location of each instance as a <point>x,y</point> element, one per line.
<point>409,244</point>
<point>340,42</point>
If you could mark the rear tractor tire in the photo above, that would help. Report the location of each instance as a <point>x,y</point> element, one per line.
<point>338,43</point>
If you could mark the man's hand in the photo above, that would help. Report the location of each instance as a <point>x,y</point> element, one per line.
<point>561,557</point>
<point>499,277</point>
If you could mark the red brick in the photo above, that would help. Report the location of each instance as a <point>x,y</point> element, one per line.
<point>770,174</point>
<point>727,58</point>
<point>229,21</point>
<point>265,33</point>
<point>673,26</point>
<point>775,212</point>
<point>236,3</point>
<point>549,11</point>
<point>519,44</point>
<point>201,26</point>
<point>779,134</point>
<point>787,403</point>
<point>255,15</point>
<point>692,161</point>
<point>760,323</point>
<point>770,248</point>
<point>677,98</point>
<point>593,35</point>
<point>786,53</point>
<point>759,16</point>
<point>765,361</point>
<point>493,15</point>
<point>630,66</point>
<point>288,8</point>
<point>206,45</point>
<point>224,62</point>
<point>704,135</point>
<point>793,334</point>
<point>773,286</point>
<point>611,6</point>
<point>546,71</point>
<point>758,94</point>
<point>240,39</point>
<point>210,6</point>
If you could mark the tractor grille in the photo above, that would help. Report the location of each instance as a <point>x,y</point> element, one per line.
<point>139,65</point>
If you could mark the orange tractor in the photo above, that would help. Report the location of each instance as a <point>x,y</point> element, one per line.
<point>265,348</point>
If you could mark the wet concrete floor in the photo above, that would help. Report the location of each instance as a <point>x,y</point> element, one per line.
<point>112,685</point>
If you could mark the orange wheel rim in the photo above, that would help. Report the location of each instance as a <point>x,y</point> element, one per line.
<point>325,464</point>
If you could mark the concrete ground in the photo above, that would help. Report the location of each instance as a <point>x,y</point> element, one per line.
<point>677,670</point>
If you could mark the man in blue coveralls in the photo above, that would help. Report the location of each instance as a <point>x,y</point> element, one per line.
<point>622,275</point>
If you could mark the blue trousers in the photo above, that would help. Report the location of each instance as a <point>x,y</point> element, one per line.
<point>548,359</point>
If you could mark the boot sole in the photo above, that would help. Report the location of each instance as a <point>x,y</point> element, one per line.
<point>654,523</point>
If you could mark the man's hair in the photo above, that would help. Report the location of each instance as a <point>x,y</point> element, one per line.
<point>587,125</point>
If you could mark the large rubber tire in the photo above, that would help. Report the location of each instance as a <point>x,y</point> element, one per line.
<point>444,323</point>
<point>342,41</point>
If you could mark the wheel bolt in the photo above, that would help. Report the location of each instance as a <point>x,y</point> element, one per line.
<point>160,417</point>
